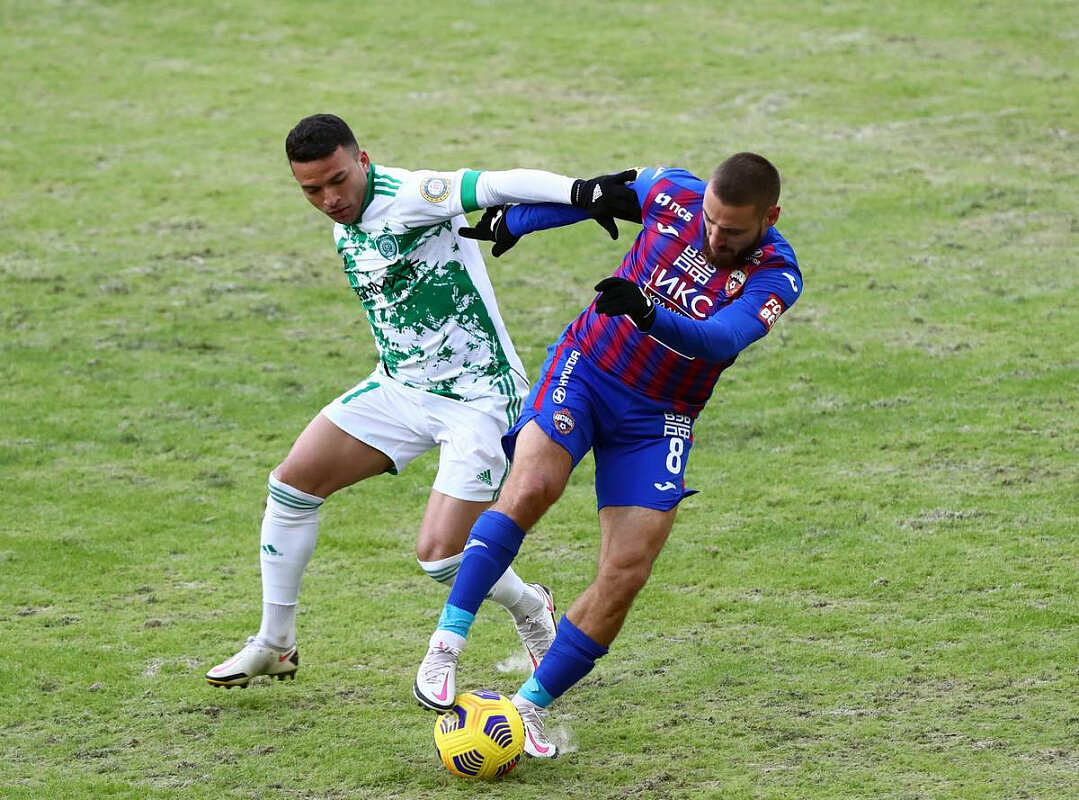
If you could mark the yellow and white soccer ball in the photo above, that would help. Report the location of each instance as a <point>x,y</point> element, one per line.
<point>482,736</point>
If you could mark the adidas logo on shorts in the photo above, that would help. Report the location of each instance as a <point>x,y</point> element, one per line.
<point>485,477</point>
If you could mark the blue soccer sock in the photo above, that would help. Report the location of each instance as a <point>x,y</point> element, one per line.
<point>572,656</point>
<point>456,621</point>
<point>491,547</point>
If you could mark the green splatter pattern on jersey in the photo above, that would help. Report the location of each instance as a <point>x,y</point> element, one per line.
<point>439,326</point>
<point>431,325</point>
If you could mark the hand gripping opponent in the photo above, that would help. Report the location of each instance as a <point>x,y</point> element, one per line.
<point>492,227</point>
<point>619,296</point>
<point>608,196</point>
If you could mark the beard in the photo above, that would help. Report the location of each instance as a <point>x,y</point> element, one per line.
<point>726,258</point>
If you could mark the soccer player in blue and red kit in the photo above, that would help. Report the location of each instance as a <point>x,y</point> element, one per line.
<point>707,275</point>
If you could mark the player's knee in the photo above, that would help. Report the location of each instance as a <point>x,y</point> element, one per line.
<point>431,548</point>
<point>529,496</point>
<point>286,472</point>
<point>425,551</point>
<point>294,475</point>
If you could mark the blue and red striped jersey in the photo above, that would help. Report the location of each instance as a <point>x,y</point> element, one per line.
<point>705,316</point>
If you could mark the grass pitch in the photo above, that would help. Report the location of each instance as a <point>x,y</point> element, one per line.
<point>875,593</point>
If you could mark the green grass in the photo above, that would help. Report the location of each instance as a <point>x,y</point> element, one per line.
<point>875,593</point>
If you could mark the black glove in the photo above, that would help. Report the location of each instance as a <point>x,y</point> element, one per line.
<point>607,196</point>
<point>619,296</point>
<point>492,227</point>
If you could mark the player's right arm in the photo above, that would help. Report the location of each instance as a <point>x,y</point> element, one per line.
<point>622,195</point>
<point>429,197</point>
<point>603,199</point>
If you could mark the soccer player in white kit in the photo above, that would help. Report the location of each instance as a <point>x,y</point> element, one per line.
<point>447,377</point>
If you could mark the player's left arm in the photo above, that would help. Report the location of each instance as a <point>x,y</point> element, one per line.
<point>620,195</point>
<point>765,297</point>
<point>603,198</point>
<point>446,195</point>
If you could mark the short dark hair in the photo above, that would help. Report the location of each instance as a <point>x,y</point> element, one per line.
<point>318,136</point>
<point>746,179</point>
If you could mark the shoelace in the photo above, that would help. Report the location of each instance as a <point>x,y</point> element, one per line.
<point>439,660</point>
<point>533,717</point>
<point>534,631</point>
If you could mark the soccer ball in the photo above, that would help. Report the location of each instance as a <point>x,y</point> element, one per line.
<point>482,736</point>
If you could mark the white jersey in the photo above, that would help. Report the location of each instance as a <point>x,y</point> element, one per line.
<point>425,288</point>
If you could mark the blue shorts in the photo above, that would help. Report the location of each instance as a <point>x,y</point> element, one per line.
<point>640,445</point>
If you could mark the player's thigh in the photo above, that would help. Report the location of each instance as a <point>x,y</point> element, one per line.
<point>447,521</point>
<point>373,428</point>
<point>324,459</point>
<point>554,431</point>
<point>473,464</point>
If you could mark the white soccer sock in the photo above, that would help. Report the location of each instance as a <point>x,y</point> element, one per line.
<point>509,591</point>
<point>523,702</point>
<point>528,604</point>
<point>289,532</point>
<point>278,625</point>
<point>447,638</point>
<point>444,570</point>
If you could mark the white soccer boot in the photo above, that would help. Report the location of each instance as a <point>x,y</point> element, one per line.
<point>537,745</point>
<point>436,680</point>
<point>537,632</point>
<point>255,659</point>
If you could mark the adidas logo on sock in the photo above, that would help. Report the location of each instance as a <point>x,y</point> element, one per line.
<point>485,477</point>
<point>269,549</point>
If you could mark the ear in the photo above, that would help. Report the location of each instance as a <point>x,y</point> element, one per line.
<point>772,216</point>
<point>364,160</point>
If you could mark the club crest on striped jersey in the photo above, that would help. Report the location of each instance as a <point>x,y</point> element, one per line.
<point>386,244</point>
<point>735,281</point>
<point>435,189</point>
<point>563,421</point>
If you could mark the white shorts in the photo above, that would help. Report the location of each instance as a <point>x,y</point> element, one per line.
<point>405,423</point>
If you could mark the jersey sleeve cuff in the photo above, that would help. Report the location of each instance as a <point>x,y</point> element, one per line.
<point>468,190</point>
